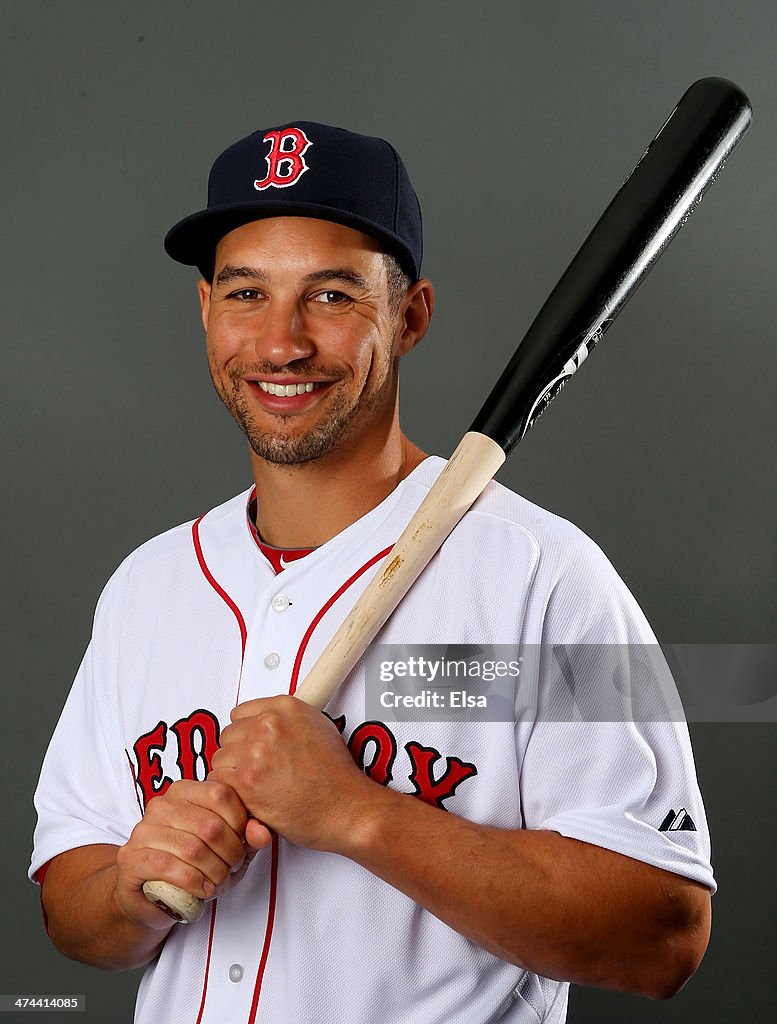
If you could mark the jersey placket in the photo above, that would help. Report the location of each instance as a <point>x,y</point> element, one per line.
<point>243,918</point>
<point>274,634</point>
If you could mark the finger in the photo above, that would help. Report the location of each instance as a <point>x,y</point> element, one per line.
<point>184,801</point>
<point>238,873</point>
<point>207,825</point>
<point>237,732</point>
<point>258,835</point>
<point>214,858</point>
<point>224,801</point>
<point>261,705</point>
<point>248,709</point>
<point>175,857</point>
<point>228,761</point>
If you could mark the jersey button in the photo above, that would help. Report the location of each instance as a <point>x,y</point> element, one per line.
<point>272,660</point>
<point>280,603</point>
<point>236,973</point>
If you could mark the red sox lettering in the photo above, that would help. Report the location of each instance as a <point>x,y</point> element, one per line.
<point>286,159</point>
<point>373,746</point>
<point>380,738</point>
<point>196,739</point>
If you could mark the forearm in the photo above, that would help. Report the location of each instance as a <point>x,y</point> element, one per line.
<point>86,922</point>
<point>558,907</point>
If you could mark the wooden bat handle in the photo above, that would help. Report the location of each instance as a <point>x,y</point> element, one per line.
<point>472,465</point>
<point>475,461</point>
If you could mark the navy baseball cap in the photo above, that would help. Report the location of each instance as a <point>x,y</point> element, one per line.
<point>305,169</point>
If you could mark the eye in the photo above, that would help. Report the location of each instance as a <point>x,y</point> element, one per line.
<point>330,297</point>
<point>245,294</point>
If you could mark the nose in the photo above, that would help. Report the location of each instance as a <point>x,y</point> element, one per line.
<point>282,336</point>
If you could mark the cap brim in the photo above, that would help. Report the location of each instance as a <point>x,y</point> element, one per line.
<point>193,240</point>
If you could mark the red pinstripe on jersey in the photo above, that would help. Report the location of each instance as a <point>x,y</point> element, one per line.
<point>319,615</point>
<point>207,959</point>
<point>218,588</point>
<point>243,636</point>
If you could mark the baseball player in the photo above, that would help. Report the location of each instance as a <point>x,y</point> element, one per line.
<point>356,867</point>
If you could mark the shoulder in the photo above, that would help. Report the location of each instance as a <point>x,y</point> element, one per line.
<point>576,590</point>
<point>503,519</point>
<point>176,548</point>
<point>547,529</point>
<point>571,587</point>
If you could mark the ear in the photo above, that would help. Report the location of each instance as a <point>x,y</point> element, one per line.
<point>414,315</point>
<point>203,290</point>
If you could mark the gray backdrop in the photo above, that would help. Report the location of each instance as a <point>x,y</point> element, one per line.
<point>518,121</point>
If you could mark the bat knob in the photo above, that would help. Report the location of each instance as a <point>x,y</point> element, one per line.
<point>176,903</point>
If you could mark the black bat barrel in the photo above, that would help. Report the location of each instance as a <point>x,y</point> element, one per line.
<point>653,203</point>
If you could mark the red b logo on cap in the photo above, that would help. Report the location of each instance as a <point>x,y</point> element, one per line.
<point>286,160</point>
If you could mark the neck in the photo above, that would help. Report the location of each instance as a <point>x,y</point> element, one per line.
<point>306,505</point>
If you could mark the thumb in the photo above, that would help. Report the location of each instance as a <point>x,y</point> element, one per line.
<point>258,837</point>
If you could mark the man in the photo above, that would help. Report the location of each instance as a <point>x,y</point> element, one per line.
<point>354,869</point>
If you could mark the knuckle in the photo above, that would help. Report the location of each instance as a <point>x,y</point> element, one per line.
<point>180,789</point>
<point>190,847</point>
<point>161,863</point>
<point>211,828</point>
<point>155,811</point>
<point>160,806</point>
<point>141,837</point>
<point>220,793</point>
<point>191,879</point>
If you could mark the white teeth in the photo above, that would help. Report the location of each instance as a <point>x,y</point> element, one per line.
<point>286,390</point>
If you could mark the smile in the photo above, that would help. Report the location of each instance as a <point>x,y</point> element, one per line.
<point>287,390</point>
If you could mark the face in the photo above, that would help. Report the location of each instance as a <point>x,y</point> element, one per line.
<point>302,344</point>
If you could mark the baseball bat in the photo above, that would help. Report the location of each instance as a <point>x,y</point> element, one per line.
<point>655,201</point>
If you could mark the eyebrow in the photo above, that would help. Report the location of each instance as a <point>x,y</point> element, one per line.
<point>346,275</point>
<point>229,273</point>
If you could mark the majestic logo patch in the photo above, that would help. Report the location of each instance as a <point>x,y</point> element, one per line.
<point>286,159</point>
<point>680,822</point>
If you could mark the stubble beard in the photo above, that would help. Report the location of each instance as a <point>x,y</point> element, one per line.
<point>341,424</point>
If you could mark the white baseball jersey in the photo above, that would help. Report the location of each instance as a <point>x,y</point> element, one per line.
<point>196,620</point>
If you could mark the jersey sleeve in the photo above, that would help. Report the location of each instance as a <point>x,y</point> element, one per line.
<point>608,757</point>
<point>86,791</point>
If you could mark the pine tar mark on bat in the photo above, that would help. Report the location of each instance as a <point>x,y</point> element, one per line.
<point>390,570</point>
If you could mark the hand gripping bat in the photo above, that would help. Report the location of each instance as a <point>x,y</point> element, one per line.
<point>655,201</point>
